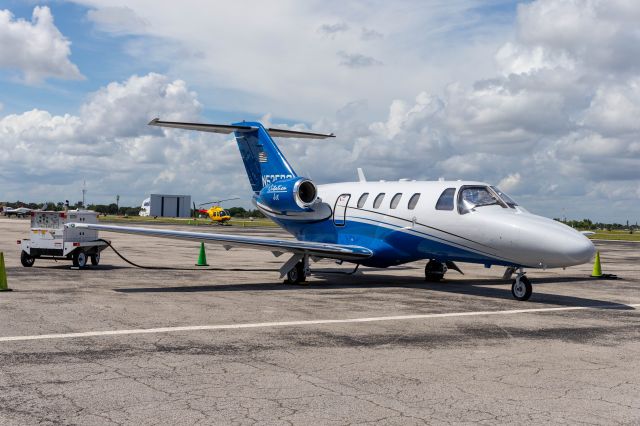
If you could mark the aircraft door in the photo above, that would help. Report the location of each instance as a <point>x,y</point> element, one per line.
<point>340,209</point>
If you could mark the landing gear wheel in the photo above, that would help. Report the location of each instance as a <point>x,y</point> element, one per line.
<point>79,259</point>
<point>521,288</point>
<point>434,271</point>
<point>95,259</point>
<point>27,260</point>
<point>297,274</point>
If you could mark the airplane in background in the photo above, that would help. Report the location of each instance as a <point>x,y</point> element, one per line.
<point>17,212</point>
<point>216,213</point>
<point>384,224</point>
<point>145,208</point>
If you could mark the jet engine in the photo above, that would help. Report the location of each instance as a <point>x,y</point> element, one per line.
<point>294,195</point>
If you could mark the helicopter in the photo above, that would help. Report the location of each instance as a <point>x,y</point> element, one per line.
<point>216,213</point>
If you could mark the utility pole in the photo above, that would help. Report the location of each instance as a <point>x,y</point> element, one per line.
<point>84,192</point>
<point>117,204</point>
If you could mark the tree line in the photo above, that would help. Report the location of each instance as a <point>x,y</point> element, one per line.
<point>589,225</point>
<point>114,209</point>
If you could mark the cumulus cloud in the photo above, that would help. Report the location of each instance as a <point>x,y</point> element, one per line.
<point>559,123</point>
<point>118,109</point>
<point>553,121</point>
<point>357,60</point>
<point>37,49</point>
<point>109,144</point>
<point>117,19</point>
<point>369,34</point>
<point>332,29</point>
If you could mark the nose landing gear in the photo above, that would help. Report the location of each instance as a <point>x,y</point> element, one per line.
<point>521,287</point>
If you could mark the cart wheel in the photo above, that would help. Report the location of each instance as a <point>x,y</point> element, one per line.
<point>80,259</point>
<point>27,260</point>
<point>95,259</point>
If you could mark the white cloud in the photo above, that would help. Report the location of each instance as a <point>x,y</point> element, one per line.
<point>109,145</point>
<point>123,109</point>
<point>357,60</point>
<point>287,52</point>
<point>615,109</point>
<point>116,20</point>
<point>37,49</point>
<point>368,34</point>
<point>510,183</point>
<point>331,30</point>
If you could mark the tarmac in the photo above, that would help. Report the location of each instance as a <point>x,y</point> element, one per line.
<point>231,344</point>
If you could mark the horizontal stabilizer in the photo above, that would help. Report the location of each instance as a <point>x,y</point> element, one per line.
<point>226,129</point>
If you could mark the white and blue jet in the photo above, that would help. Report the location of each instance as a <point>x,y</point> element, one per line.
<point>383,224</point>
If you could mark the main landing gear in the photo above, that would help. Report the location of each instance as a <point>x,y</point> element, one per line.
<point>434,270</point>
<point>521,286</point>
<point>296,269</point>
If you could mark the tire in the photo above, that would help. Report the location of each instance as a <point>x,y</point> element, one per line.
<point>296,275</point>
<point>522,291</point>
<point>434,271</point>
<point>95,259</point>
<point>27,260</point>
<point>79,259</point>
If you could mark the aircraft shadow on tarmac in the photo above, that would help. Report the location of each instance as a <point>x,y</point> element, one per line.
<point>498,289</point>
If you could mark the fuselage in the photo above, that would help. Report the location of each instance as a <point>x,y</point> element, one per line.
<point>441,220</point>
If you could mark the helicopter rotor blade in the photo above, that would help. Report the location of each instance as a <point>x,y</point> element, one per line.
<point>220,201</point>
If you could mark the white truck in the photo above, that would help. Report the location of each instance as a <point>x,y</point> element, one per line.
<point>50,239</point>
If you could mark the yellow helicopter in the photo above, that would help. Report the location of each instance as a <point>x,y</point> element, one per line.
<point>216,213</point>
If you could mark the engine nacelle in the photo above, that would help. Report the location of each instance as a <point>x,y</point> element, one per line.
<point>289,195</point>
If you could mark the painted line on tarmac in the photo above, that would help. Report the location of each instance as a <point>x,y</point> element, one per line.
<point>303,323</point>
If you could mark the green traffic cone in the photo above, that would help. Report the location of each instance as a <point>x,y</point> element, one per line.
<point>597,269</point>
<point>4,286</point>
<point>202,258</point>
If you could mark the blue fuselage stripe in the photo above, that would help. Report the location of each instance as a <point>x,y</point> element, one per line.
<point>390,246</point>
<point>444,240</point>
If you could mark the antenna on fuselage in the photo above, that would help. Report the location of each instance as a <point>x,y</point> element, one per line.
<point>361,177</point>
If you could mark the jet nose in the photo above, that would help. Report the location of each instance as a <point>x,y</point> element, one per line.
<point>552,244</point>
<point>579,249</point>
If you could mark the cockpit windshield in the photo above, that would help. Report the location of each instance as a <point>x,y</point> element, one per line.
<point>477,196</point>
<point>508,200</point>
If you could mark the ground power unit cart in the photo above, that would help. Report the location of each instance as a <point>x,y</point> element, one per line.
<point>50,239</point>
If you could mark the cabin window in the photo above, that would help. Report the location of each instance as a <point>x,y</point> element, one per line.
<point>395,200</point>
<point>362,200</point>
<point>413,201</point>
<point>445,202</point>
<point>378,200</point>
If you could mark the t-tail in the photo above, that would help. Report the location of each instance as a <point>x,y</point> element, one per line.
<point>263,161</point>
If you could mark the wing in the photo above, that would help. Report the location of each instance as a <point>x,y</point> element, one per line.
<point>276,246</point>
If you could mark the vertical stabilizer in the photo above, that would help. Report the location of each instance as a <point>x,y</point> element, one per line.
<point>262,159</point>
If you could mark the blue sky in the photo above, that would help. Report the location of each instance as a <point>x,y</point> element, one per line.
<point>540,97</point>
